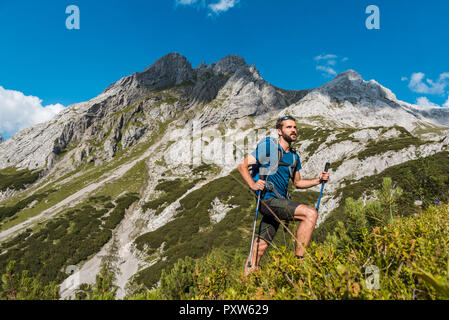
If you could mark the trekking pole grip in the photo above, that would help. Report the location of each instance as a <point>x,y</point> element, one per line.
<point>326,169</point>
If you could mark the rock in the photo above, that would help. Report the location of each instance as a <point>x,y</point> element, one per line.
<point>170,70</point>
<point>132,134</point>
<point>110,147</point>
<point>7,193</point>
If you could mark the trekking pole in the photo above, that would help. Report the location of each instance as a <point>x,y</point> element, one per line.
<point>326,169</point>
<point>254,227</point>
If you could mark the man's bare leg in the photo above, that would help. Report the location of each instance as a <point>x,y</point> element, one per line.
<point>258,251</point>
<point>308,216</point>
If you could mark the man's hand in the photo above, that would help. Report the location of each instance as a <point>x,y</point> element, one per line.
<point>259,185</point>
<point>324,176</point>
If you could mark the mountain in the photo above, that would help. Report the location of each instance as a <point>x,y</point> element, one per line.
<point>348,100</point>
<point>161,92</point>
<point>144,173</point>
<point>1,138</point>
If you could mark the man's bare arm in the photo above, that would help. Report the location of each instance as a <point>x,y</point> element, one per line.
<point>243,168</point>
<point>307,183</point>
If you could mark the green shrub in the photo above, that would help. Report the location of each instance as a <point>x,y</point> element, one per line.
<point>173,190</point>
<point>14,178</point>
<point>9,211</point>
<point>178,283</point>
<point>375,148</point>
<point>17,286</point>
<point>103,289</point>
<point>67,240</point>
<point>410,253</point>
<point>118,213</point>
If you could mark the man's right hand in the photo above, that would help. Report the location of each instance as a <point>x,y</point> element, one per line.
<point>259,185</point>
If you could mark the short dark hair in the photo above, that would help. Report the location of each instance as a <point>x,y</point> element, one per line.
<point>279,121</point>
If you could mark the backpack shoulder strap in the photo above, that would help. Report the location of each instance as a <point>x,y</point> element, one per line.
<point>292,168</point>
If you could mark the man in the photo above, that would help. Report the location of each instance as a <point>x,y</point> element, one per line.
<point>275,197</point>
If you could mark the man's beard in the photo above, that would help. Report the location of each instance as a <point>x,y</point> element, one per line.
<point>287,138</point>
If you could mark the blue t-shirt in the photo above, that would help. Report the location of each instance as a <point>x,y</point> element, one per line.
<point>267,160</point>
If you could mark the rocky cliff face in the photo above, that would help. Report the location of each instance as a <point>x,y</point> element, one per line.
<point>1,138</point>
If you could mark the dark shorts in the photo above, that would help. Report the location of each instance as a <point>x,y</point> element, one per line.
<point>284,209</point>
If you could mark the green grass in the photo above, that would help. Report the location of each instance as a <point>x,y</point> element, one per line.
<point>131,181</point>
<point>375,148</point>
<point>317,135</point>
<point>184,84</point>
<point>10,211</point>
<point>344,135</point>
<point>167,100</point>
<point>206,168</point>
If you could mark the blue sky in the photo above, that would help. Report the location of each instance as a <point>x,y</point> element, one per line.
<point>295,44</point>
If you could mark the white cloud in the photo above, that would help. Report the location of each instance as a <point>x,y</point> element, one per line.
<point>186,2</point>
<point>214,8</point>
<point>325,57</point>
<point>198,4</point>
<point>404,79</point>
<point>222,6</point>
<point>418,83</point>
<point>424,102</point>
<point>18,111</point>
<point>446,104</point>
<point>327,64</point>
<point>327,71</point>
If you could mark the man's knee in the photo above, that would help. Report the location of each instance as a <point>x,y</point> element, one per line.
<point>312,215</point>
<point>308,213</point>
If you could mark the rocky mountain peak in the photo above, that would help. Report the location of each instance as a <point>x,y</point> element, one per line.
<point>230,64</point>
<point>170,70</point>
<point>349,75</point>
<point>227,65</point>
<point>169,61</point>
<point>349,85</point>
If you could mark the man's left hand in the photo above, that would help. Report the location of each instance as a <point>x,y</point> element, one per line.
<point>324,176</point>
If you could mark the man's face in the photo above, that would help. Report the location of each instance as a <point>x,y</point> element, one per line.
<point>288,131</point>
